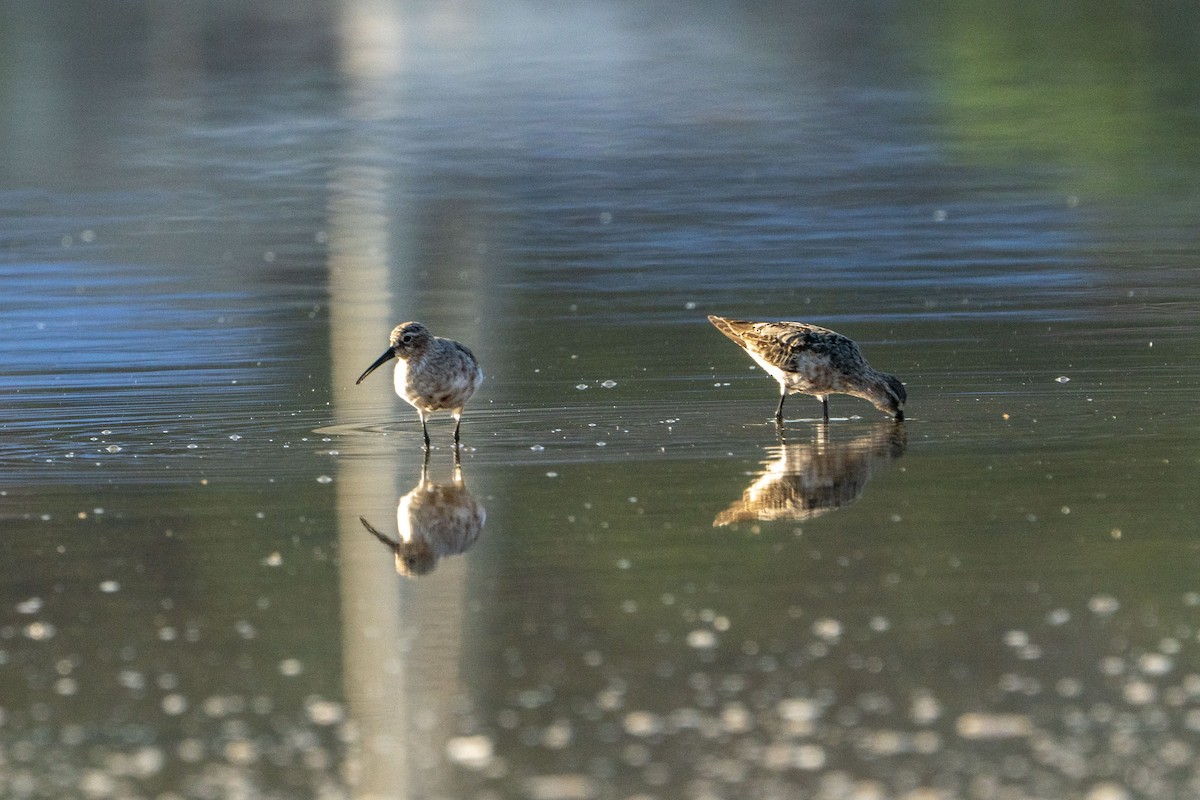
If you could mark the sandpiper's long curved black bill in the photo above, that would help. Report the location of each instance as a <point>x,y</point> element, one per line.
<point>388,355</point>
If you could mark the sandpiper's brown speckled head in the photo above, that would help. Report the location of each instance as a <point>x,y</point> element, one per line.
<point>408,339</point>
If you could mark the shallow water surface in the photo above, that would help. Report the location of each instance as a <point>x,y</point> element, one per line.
<point>227,571</point>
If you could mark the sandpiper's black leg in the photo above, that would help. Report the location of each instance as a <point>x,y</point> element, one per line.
<point>425,431</point>
<point>779,410</point>
<point>457,425</point>
<point>825,409</point>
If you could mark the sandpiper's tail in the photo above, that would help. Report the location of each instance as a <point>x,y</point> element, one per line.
<point>735,329</point>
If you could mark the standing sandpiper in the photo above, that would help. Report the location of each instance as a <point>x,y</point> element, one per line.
<point>432,373</point>
<point>807,359</point>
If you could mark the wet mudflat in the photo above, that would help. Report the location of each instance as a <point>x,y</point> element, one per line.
<point>224,571</point>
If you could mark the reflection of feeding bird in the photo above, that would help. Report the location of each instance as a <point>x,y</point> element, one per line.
<point>806,359</point>
<point>433,520</point>
<point>808,480</point>
<point>432,373</point>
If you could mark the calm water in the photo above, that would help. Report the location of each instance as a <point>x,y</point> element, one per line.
<point>212,218</point>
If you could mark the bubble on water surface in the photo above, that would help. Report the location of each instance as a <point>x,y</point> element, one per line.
<point>234,437</point>
<point>798,709</point>
<point>39,631</point>
<point>924,709</point>
<point>980,725</point>
<point>30,606</point>
<point>113,448</point>
<point>324,712</point>
<point>567,786</point>
<point>1103,604</point>
<point>324,479</point>
<point>290,667</point>
<point>1062,379</point>
<point>1059,616</point>
<point>702,639</point>
<point>609,384</point>
<point>642,723</point>
<point>473,752</point>
<point>108,587</point>
<point>1107,791</point>
<point>1155,664</point>
<point>1140,693</point>
<point>828,629</point>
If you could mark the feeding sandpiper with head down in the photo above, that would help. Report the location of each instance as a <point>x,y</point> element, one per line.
<point>807,359</point>
<point>432,373</point>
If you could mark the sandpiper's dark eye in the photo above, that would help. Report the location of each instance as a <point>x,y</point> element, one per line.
<point>407,338</point>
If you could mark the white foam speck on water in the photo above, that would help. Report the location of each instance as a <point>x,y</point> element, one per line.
<point>174,704</point>
<point>30,606</point>
<point>1059,616</point>
<point>108,587</point>
<point>113,448</point>
<point>1016,639</point>
<point>642,723</point>
<point>1139,693</point>
<point>1107,791</point>
<point>290,667</point>
<point>1062,379</point>
<point>474,752</point>
<point>324,479</point>
<point>1155,664</point>
<point>609,384</point>
<point>925,708</point>
<point>1103,604</point>
<point>39,631</point>
<point>568,786</point>
<point>980,725</point>
<point>233,437</point>
<point>798,709</point>
<point>324,712</point>
<point>581,386</point>
<point>828,629</point>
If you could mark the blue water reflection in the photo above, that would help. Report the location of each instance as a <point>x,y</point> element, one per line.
<point>212,214</point>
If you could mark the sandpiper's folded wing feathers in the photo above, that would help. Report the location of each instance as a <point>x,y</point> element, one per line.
<point>785,343</point>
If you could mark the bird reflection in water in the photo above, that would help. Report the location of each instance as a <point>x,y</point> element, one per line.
<point>433,520</point>
<point>805,481</point>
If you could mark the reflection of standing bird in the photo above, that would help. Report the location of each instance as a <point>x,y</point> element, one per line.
<point>805,481</point>
<point>433,520</point>
<point>432,373</point>
<point>806,359</point>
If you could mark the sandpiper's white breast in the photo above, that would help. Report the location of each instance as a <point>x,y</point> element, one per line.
<point>400,379</point>
<point>772,370</point>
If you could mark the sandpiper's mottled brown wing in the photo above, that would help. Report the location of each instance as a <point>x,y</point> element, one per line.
<point>783,344</point>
